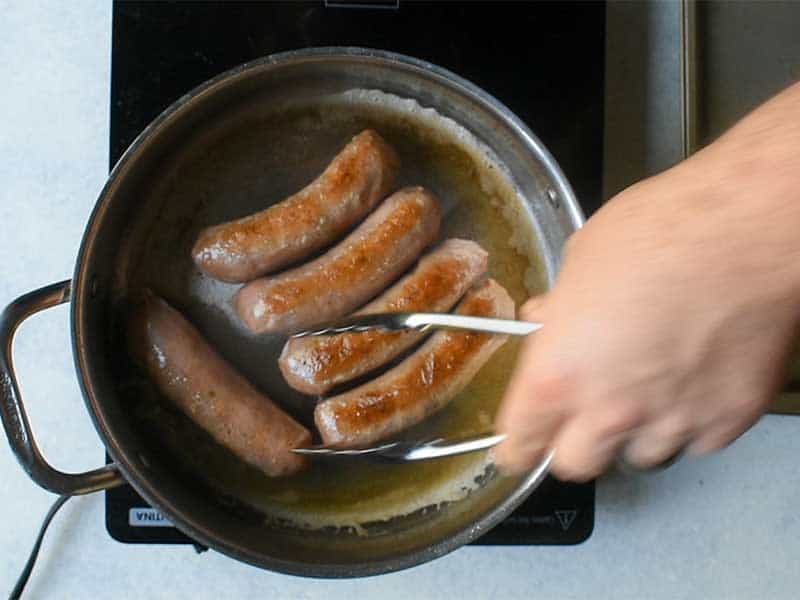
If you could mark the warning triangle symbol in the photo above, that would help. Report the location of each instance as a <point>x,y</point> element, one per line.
<point>566,517</point>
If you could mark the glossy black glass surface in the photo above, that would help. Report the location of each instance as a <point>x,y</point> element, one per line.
<point>544,60</point>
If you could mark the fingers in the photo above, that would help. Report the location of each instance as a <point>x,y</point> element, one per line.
<point>534,404</point>
<point>589,442</point>
<point>660,439</point>
<point>560,398</point>
<point>722,433</point>
<point>530,414</point>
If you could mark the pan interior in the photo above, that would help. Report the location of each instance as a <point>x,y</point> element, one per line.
<point>239,153</point>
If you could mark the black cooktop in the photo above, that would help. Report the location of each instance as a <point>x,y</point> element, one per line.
<point>543,60</point>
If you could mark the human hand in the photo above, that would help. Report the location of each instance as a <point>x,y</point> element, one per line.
<point>671,321</point>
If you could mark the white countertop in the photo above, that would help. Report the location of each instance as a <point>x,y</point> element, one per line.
<point>720,527</point>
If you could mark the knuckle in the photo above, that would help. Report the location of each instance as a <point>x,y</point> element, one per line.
<point>621,418</point>
<point>744,405</point>
<point>709,443</point>
<point>580,455</point>
<point>554,383</point>
<point>648,454</point>
<point>679,425</point>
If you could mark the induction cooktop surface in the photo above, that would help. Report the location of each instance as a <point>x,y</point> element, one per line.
<point>543,60</point>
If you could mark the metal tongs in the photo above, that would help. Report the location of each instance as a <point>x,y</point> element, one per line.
<point>420,322</point>
<point>401,451</point>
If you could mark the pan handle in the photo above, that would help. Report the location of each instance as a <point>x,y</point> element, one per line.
<point>12,411</point>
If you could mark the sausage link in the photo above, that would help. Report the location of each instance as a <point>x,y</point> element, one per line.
<point>359,177</point>
<point>314,365</point>
<point>209,391</point>
<point>422,384</point>
<point>349,274</point>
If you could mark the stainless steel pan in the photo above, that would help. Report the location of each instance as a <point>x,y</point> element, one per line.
<point>265,126</point>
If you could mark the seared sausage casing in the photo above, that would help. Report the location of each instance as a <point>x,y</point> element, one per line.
<point>350,273</point>
<point>360,176</point>
<point>314,365</point>
<point>188,371</point>
<point>422,384</point>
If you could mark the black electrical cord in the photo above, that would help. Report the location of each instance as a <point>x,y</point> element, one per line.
<point>26,572</point>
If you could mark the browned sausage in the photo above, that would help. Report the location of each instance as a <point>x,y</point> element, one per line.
<point>208,390</point>
<point>350,273</point>
<point>419,386</point>
<point>359,177</point>
<point>313,365</point>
